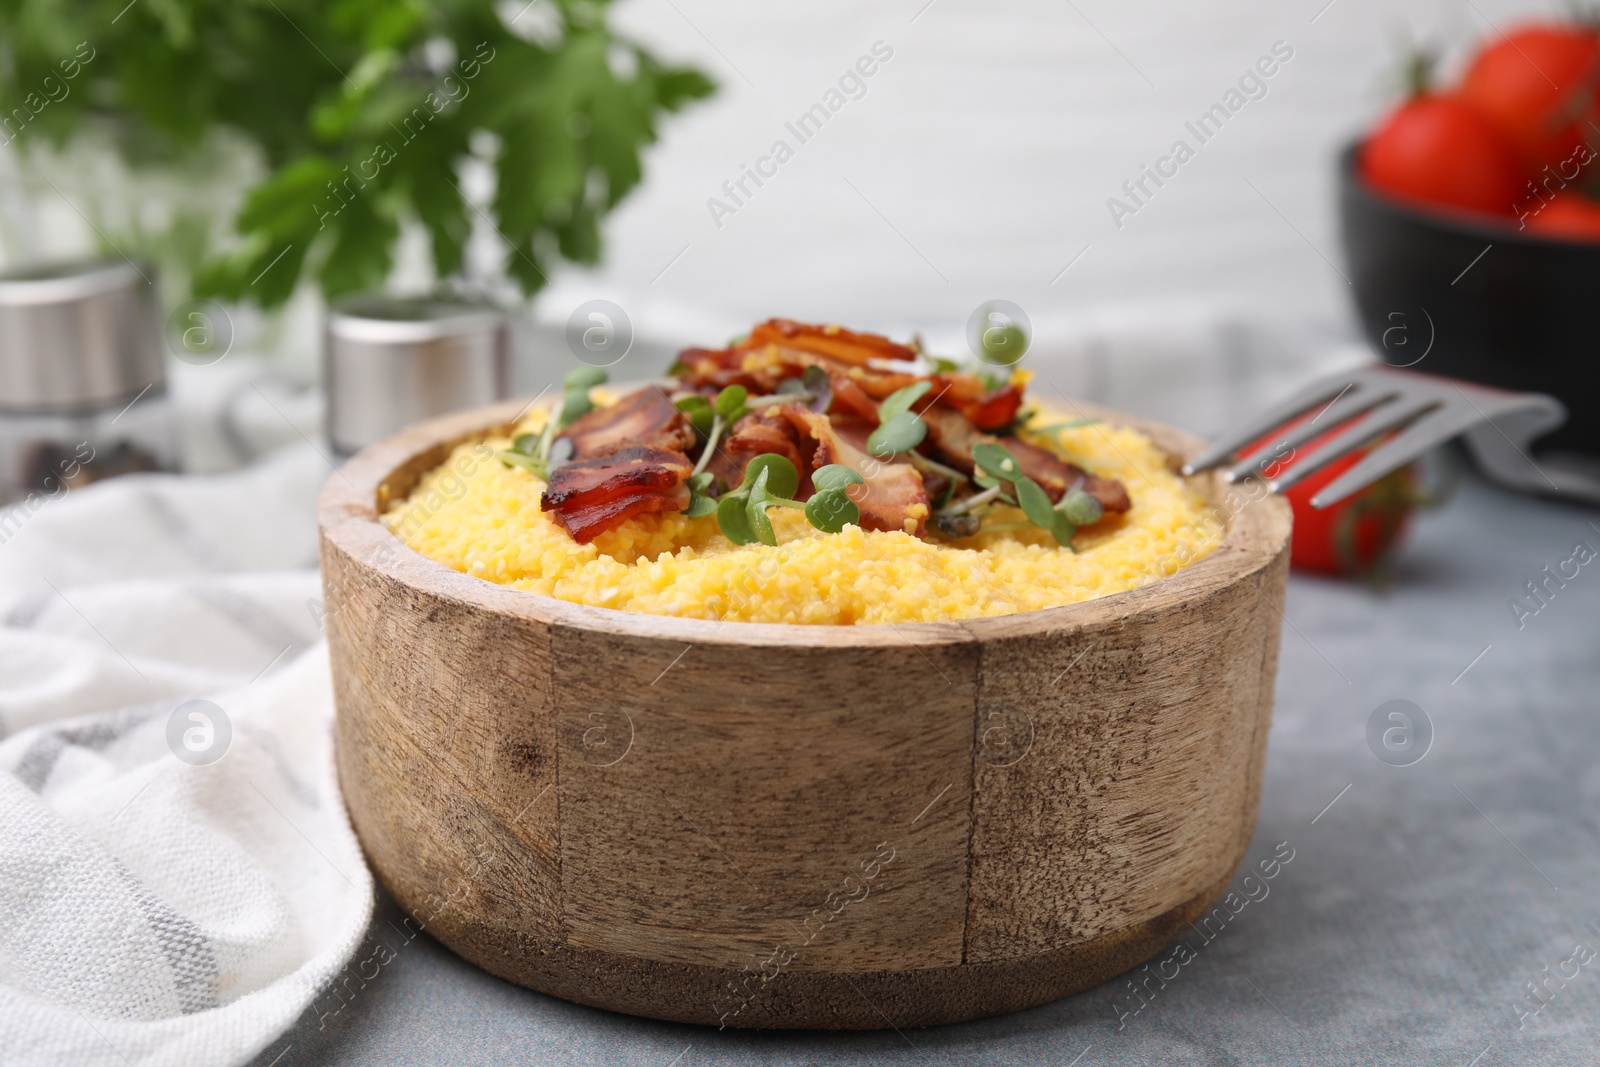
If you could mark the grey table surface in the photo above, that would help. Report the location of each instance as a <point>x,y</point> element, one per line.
<point>1422,904</point>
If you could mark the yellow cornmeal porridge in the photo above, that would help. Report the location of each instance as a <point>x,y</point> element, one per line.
<point>476,515</point>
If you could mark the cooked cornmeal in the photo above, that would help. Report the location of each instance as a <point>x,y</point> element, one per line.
<point>480,517</point>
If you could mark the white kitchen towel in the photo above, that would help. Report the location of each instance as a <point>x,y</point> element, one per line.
<point>177,874</point>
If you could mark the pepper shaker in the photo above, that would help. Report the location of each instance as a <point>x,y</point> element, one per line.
<point>83,385</point>
<point>393,361</point>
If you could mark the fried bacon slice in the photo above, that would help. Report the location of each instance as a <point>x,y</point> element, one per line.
<point>599,492</point>
<point>953,436</point>
<point>710,370</point>
<point>850,396</point>
<point>644,417</point>
<point>987,409</point>
<point>832,342</point>
<point>760,432</point>
<point>892,496</point>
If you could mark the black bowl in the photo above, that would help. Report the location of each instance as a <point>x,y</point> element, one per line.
<point>1477,300</point>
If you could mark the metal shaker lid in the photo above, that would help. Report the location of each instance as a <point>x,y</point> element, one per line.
<point>75,336</point>
<point>393,361</point>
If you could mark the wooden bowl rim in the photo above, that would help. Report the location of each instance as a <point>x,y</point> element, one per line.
<point>348,519</point>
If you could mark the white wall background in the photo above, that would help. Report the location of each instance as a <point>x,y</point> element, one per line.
<point>980,161</point>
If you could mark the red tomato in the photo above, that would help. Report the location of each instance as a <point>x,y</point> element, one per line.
<point>1570,215</point>
<point>1537,85</point>
<point>1438,150</point>
<point>1356,536</point>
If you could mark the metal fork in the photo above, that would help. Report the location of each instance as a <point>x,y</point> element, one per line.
<point>1422,411</point>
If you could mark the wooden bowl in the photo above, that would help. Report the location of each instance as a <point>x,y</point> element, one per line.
<point>762,825</point>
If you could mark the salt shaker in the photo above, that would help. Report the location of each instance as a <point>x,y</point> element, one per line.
<point>392,361</point>
<point>83,387</point>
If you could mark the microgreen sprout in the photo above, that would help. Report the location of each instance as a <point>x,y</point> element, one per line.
<point>811,390</point>
<point>539,453</point>
<point>830,509</point>
<point>1080,507</point>
<point>899,428</point>
<point>815,379</point>
<point>1057,427</point>
<point>711,418</point>
<point>575,402</point>
<point>1003,481</point>
<point>770,481</point>
<point>700,503</point>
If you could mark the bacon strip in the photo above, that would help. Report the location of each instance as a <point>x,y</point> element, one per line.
<point>644,417</point>
<point>600,492</point>
<point>834,342</point>
<point>711,370</point>
<point>757,433</point>
<point>986,409</point>
<point>850,396</point>
<point>953,436</point>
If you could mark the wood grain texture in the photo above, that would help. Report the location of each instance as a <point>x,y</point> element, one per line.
<point>766,825</point>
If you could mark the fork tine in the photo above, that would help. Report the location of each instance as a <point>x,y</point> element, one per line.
<point>1319,392</point>
<point>1431,431</point>
<point>1388,416</point>
<point>1343,409</point>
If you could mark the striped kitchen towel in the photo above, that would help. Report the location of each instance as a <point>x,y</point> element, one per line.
<point>178,878</point>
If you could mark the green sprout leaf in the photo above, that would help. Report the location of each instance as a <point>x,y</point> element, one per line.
<point>526,443</point>
<point>730,402</point>
<point>901,400</point>
<point>698,411</point>
<point>964,525</point>
<point>575,405</point>
<point>834,476</point>
<point>830,511</point>
<point>585,377</point>
<point>995,460</point>
<point>525,462</point>
<point>942,365</point>
<point>1057,427</point>
<point>1063,530</point>
<point>700,505</point>
<point>899,433</point>
<point>559,452</point>
<point>1081,508</point>
<point>732,519</point>
<point>1035,503</point>
<point>755,509</point>
<point>816,382</point>
<point>772,476</point>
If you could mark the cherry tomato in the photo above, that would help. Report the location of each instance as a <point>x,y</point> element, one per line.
<point>1569,215</point>
<point>1537,84</point>
<point>1356,536</point>
<point>1437,149</point>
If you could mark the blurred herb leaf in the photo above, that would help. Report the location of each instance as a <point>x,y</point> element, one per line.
<point>364,112</point>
